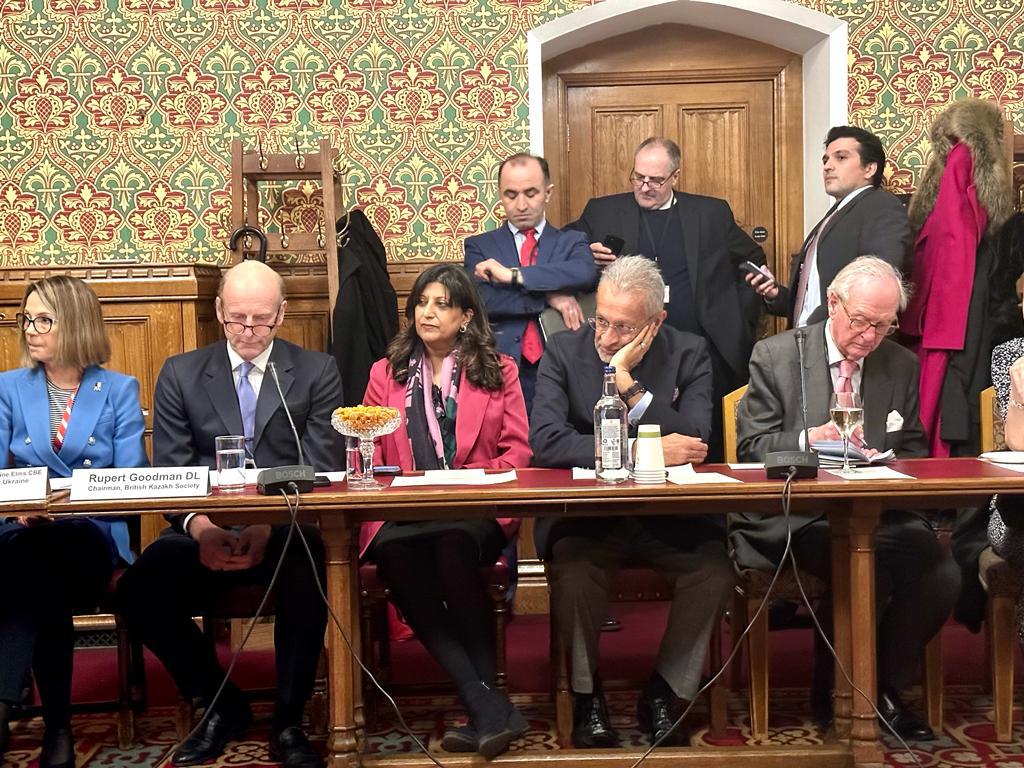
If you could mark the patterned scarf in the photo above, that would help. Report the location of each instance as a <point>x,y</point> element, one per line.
<point>430,411</point>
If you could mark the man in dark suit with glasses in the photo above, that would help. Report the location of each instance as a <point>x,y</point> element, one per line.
<point>699,248</point>
<point>226,389</point>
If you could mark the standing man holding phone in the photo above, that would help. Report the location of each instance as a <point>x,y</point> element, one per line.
<point>527,265</point>
<point>865,220</point>
<point>699,248</point>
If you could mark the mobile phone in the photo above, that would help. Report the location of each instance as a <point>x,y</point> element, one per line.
<point>387,469</point>
<point>614,243</point>
<point>750,268</point>
<point>319,481</point>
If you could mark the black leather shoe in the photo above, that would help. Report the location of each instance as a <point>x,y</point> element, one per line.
<point>654,714</point>
<point>591,728</point>
<point>905,723</point>
<point>461,739</point>
<point>207,744</point>
<point>292,749</point>
<point>58,748</point>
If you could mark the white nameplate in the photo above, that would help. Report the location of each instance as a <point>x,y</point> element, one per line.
<point>26,484</point>
<point>140,483</point>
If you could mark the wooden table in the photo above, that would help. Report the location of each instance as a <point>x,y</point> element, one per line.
<point>854,508</point>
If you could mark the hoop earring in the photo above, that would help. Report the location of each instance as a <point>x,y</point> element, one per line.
<point>464,327</point>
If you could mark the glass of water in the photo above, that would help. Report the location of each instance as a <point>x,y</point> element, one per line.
<point>230,463</point>
<point>847,412</point>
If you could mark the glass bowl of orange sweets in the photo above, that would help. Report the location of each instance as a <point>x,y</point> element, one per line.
<point>365,422</point>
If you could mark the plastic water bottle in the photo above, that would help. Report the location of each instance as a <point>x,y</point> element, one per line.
<point>611,438</point>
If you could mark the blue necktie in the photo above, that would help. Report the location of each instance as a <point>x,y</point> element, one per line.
<point>247,404</point>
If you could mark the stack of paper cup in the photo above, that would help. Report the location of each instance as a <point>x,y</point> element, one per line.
<point>650,458</point>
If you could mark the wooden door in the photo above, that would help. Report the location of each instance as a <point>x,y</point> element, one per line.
<point>724,130</point>
<point>732,104</point>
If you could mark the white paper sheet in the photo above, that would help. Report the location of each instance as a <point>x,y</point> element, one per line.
<point>60,483</point>
<point>582,473</point>
<point>687,475</point>
<point>746,465</point>
<point>454,477</point>
<point>870,473</point>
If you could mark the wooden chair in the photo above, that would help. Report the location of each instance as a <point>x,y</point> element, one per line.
<point>632,585</point>
<point>376,642</point>
<point>751,592</point>
<point>1003,584</point>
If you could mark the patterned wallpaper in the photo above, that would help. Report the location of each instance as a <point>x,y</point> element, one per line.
<point>116,116</point>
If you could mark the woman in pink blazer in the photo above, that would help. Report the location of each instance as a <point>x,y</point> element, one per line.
<point>463,408</point>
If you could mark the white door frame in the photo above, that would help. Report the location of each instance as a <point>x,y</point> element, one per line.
<point>820,40</point>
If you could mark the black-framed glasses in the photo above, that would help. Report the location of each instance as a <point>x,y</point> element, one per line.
<point>598,323</point>
<point>261,330</point>
<point>39,323</point>
<point>654,182</point>
<point>860,325</point>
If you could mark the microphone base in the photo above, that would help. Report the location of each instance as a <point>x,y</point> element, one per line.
<point>777,464</point>
<point>277,479</point>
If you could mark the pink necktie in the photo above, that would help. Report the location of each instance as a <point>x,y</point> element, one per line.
<point>846,370</point>
<point>805,268</point>
<point>533,345</point>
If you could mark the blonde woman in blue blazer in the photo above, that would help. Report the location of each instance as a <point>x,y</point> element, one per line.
<point>61,411</point>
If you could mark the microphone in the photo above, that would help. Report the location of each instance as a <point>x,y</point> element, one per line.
<point>301,475</point>
<point>778,464</point>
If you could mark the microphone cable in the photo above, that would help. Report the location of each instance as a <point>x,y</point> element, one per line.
<point>236,654</point>
<point>293,511</point>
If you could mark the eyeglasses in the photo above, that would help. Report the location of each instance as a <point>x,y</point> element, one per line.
<point>654,182</point>
<point>261,331</point>
<point>38,324</point>
<point>860,325</point>
<point>598,323</point>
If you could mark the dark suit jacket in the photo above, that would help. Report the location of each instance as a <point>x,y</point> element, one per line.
<point>873,224</point>
<point>564,264</point>
<point>676,370</point>
<point>195,401</point>
<point>727,307</point>
<point>769,418</point>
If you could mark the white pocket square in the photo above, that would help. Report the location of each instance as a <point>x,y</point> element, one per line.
<point>893,422</point>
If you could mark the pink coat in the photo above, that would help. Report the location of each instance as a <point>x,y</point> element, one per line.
<point>491,430</point>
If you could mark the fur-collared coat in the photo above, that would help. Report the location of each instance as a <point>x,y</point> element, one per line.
<point>960,206</point>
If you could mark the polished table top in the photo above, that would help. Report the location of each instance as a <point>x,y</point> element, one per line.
<point>937,482</point>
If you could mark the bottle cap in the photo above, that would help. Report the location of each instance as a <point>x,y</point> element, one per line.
<point>609,369</point>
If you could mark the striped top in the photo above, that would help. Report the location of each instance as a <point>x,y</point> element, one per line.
<point>58,402</point>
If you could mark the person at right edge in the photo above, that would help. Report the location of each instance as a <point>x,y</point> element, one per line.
<point>916,580</point>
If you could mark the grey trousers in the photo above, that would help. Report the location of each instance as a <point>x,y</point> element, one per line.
<point>581,571</point>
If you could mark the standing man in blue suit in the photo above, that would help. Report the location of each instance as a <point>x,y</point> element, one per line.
<point>527,265</point>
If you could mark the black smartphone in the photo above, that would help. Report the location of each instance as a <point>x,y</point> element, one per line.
<point>614,243</point>
<point>319,481</point>
<point>750,268</point>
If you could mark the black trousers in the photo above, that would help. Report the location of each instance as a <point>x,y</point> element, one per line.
<point>168,585</point>
<point>916,585</point>
<point>49,570</point>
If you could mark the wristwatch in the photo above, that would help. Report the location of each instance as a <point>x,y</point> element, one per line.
<point>515,276</point>
<point>636,389</point>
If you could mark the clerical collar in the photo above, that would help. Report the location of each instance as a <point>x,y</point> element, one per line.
<point>664,206</point>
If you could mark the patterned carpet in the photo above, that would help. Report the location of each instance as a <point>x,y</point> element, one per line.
<point>968,741</point>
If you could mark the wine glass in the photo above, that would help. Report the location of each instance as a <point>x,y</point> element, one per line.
<point>366,436</point>
<point>847,412</point>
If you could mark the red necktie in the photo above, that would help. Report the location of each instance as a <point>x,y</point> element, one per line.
<point>846,370</point>
<point>533,345</point>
